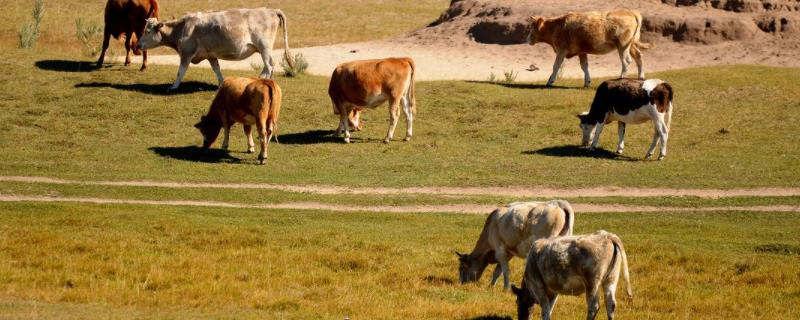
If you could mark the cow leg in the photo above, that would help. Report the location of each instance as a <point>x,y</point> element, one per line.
<point>593,304</point>
<point>181,72</point>
<point>226,127</point>
<point>656,137</point>
<point>637,56</point>
<point>597,131</point>
<point>621,131</point>
<point>127,49</point>
<point>587,80</point>
<point>394,114</point>
<point>556,66</point>
<point>664,134</point>
<point>548,304</point>
<point>610,299</point>
<point>344,123</point>
<point>502,261</point>
<point>409,118</point>
<point>269,66</point>
<point>215,66</point>
<point>495,275</point>
<point>625,59</point>
<point>106,38</point>
<point>248,132</point>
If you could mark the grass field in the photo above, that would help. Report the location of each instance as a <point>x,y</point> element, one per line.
<point>118,123</point>
<point>92,261</point>
<point>311,22</point>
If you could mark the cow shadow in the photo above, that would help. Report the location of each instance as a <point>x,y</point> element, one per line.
<point>314,137</point>
<point>515,85</point>
<point>153,89</point>
<point>571,151</point>
<point>66,65</point>
<point>196,154</point>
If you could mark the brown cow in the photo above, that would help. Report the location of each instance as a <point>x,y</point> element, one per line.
<point>246,101</point>
<point>127,17</point>
<point>358,85</point>
<point>579,34</point>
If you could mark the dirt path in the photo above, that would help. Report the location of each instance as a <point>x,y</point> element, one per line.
<point>522,192</point>
<point>455,208</point>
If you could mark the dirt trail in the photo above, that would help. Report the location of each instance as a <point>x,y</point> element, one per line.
<point>455,208</point>
<point>522,192</point>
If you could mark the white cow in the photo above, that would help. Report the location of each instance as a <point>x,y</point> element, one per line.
<point>228,35</point>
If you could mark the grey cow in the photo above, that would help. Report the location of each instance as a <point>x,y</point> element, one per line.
<point>228,35</point>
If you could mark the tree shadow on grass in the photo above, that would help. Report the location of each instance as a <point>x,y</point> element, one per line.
<point>491,317</point>
<point>154,89</point>
<point>66,65</point>
<point>317,137</point>
<point>196,154</point>
<point>515,85</point>
<point>578,152</point>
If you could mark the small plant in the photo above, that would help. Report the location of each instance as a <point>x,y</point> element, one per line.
<point>29,32</point>
<point>492,78</point>
<point>510,75</point>
<point>87,33</point>
<point>256,66</point>
<point>300,66</point>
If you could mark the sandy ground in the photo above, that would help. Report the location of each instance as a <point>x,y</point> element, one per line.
<point>454,208</point>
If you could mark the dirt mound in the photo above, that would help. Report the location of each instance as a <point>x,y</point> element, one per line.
<point>683,21</point>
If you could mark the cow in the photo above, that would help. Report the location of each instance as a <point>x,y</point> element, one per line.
<point>580,34</point>
<point>510,231</point>
<point>228,35</point>
<point>629,101</point>
<point>127,17</point>
<point>362,84</point>
<point>573,265</point>
<point>247,101</point>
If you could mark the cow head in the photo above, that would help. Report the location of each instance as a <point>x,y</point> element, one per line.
<point>209,127</point>
<point>135,45</point>
<point>525,301</point>
<point>354,119</point>
<point>535,29</point>
<point>587,128</point>
<point>152,36</point>
<point>471,268</point>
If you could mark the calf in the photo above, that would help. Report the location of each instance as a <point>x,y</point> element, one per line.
<point>629,101</point>
<point>580,34</point>
<point>127,17</point>
<point>228,35</point>
<point>358,85</point>
<point>573,265</point>
<point>247,101</point>
<point>510,231</point>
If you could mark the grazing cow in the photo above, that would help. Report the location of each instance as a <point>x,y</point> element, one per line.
<point>127,17</point>
<point>579,34</point>
<point>510,231</point>
<point>573,265</point>
<point>247,101</point>
<point>228,35</point>
<point>629,101</point>
<point>358,85</point>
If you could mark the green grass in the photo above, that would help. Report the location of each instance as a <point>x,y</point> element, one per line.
<point>119,124</point>
<point>311,22</point>
<point>115,261</point>
<point>258,196</point>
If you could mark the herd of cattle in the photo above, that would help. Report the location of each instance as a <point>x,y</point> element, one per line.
<point>541,232</point>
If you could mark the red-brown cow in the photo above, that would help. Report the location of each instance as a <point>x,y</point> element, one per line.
<point>358,85</point>
<point>247,101</point>
<point>127,17</point>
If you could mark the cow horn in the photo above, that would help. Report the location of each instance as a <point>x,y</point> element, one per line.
<point>150,13</point>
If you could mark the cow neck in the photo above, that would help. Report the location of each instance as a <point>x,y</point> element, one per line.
<point>482,246</point>
<point>168,36</point>
<point>547,32</point>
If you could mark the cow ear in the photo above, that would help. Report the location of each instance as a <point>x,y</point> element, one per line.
<point>515,290</point>
<point>539,23</point>
<point>159,25</point>
<point>460,255</point>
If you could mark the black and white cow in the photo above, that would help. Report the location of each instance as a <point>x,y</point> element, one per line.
<point>629,101</point>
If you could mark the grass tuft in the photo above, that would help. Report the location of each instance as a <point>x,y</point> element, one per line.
<point>87,34</point>
<point>29,32</point>
<point>300,66</point>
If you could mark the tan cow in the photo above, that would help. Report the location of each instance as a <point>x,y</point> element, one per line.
<point>579,34</point>
<point>247,101</point>
<point>573,265</point>
<point>362,84</point>
<point>510,231</point>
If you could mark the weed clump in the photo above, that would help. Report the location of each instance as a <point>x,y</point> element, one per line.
<point>87,33</point>
<point>29,32</point>
<point>300,66</point>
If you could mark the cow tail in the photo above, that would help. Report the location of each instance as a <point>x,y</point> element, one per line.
<point>284,23</point>
<point>619,248</point>
<point>411,94</point>
<point>153,13</point>
<point>274,110</point>
<point>668,114</point>
<point>569,217</point>
<point>638,33</point>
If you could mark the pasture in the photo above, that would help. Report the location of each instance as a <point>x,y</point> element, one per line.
<point>79,247</point>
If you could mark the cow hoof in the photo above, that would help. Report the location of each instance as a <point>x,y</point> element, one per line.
<point>619,151</point>
<point>407,139</point>
<point>386,140</point>
<point>591,148</point>
<point>660,158</point>
<point>648,156</point>
<point>346,140</point>
<point>251,150</point>
<point>262,161</point>
<point>143,68</point>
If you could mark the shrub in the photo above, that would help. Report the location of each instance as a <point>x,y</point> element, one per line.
<point>87,34</point>
<point>510,75</point>
<point>492,78</point>
<point>29,32</point>
<point>300,66</point>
